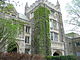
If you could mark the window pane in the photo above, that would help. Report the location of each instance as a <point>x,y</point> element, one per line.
<point>51,35</point>
<point>78,53</point>
<point>27,51</point>
<point>55,25</point>
<point>51,24</point>
<point>77,43</point>
<point>27,29</point>
<point>55,37</point>
<point>26,39</point>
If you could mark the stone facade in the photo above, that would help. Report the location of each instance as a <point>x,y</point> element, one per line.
<point>73,46</point>
<point>56,28</point>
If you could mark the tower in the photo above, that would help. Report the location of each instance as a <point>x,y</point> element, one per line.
<point>56,31</point>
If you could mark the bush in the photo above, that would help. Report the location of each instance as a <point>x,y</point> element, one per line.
<point>61,57</point>
<point>18,56</point>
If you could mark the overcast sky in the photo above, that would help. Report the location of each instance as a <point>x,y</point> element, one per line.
<point>63,3</point>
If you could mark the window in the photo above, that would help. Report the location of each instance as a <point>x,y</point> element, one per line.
<point>27,51</point>
<point>27,29</point>
<point>51,35</point>
<point>53,24</point>
<point>27,39</point>
<point>78,53</point>
<point>77,44</point>
<point>55,37</point>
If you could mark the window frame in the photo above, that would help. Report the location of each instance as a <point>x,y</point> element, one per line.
<point>27,29</point>
<point>27,39</point>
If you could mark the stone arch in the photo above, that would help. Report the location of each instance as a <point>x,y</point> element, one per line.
<point>12,47</point>
<point>57,53</point>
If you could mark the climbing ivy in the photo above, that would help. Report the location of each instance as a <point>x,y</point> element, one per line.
<point>41,31</point>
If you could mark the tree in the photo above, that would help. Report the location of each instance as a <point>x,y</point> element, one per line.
<point>9,28</point>
<point>74,12</point>
<point>8,31</point>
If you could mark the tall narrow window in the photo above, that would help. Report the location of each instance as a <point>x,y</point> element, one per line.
<point>55,25</point>
<point>51,24</point>
<point>27,39</point>
<point>27,29</point>
<point>55,36</point>
<point>51,35</point>
<point>27,51</point>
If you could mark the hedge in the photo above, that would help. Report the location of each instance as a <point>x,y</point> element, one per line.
<point>18,56</point>
<point>69,57</point>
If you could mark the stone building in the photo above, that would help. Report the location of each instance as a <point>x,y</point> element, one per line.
<point>56,28</point>
<point>73,44</point>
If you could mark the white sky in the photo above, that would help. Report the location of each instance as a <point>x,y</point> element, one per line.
<point>63,4</point>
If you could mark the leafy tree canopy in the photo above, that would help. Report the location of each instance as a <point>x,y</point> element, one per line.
<point>7,8</point>
<point>9,28</point>
<point>9,31</point>
<point>74,10</point>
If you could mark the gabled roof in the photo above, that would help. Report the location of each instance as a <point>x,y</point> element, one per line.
<point>23,17</point>
<point>72,35</point>
<point>37,3</point>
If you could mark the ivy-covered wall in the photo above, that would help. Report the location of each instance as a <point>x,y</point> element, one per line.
<point>41,41</point>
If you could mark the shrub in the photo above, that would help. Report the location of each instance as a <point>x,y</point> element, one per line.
<point>69,57</point>
<point>18,56</point>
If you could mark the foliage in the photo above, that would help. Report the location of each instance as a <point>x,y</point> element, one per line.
<point>9,30</point>
<point>18,56</point>
<point>6,8</point>
<point>61,57</point>
<point>74,11</point>
<point>41,41</point>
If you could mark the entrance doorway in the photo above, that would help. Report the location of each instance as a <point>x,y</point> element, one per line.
<point>12,47</point>
<point>57,53</point>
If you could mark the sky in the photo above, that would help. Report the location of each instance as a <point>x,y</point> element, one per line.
<point>63,3</point>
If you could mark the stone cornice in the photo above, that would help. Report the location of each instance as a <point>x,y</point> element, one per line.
<point>49,4</point>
